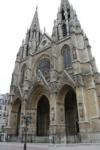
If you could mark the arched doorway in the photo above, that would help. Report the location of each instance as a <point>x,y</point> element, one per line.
<point>71,115</point>
<point>16,112</point>
<point>43,119</point>
<point>18,120</point>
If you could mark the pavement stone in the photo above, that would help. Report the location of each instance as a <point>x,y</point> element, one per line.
<point>19,146</point>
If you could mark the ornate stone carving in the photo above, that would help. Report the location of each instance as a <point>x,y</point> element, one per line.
<point>53,87</point>
<point>78,80</point>
<point>74,53</point>
<point>44,67</point>
<point>81,111</point>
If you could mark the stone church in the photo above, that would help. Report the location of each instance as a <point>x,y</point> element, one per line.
<point>56,83</point>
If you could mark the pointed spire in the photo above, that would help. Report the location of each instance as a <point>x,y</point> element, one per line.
<point>35,21</point>
<point>44,29</point>
<point>64,2</point>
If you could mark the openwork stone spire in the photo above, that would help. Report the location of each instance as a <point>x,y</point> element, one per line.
<point>35,21</point>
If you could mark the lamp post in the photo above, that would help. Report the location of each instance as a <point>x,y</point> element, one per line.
<point>27,121</point>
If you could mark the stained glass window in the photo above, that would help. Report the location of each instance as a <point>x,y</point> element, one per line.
<point>67,57</point>
<point>44,67</point>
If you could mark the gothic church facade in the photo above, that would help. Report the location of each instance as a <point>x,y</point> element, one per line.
<point>56,82</point>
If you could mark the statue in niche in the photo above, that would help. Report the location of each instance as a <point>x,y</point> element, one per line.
<point>78,80</point>
<point>53,61</point>
<point>74,53</point>
<point>81,110</point>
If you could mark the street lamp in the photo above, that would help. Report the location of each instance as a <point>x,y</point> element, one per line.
<point>27,121</point>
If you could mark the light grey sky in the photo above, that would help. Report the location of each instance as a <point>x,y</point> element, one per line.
<point>16,17</point>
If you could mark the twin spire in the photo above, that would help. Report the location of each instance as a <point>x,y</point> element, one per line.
<point>35,21</point>
<point>63,25</point>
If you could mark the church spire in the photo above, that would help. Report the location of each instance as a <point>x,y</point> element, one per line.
<point>64,4</point>
<point>35,33</point>
<point>35,21</point>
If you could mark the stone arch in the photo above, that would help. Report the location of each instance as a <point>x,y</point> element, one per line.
<point>43,116</point>
<point>69,111</point>
<point>36,92</point>
<point>66,53</point>
<point>16,116</point>
<point>63,91</point>
<point>71,114</point>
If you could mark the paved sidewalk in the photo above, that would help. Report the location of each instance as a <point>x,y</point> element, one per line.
<point>19,146</point>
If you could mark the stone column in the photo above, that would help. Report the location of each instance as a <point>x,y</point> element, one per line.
<point>32,126</point>
<point>23,112</point>
<point>81,103</point>
<point>9,119</point>
<point>53,116</point>
<point>92,99</point>
<point>57,123</point>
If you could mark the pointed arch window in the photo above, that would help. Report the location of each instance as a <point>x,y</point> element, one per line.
<point>67,57</point>
<point>29,34</point>
<point>64,30</point>
<point>27,50</point>
<point>23,74</point>
<point>34,34</point>
<point>68,12</point>
<point>63,14</point>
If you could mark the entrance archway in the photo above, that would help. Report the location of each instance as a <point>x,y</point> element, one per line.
<point>71,114</point>
<point>43,119</point>
<point>16,111</point>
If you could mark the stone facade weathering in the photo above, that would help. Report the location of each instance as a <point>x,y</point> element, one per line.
<point>4,98</point>
<point>56,82</point>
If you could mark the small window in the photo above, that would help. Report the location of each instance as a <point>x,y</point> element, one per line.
<point>2,127</point>
<point>68,12</point>
<point>34,34</point>
<point>67,57</point>
<point>0,107</point>
<point>27,50</point>
<point>63,14</point>
<point>34,25</point>
<point>64,30</point>
<point>44,42</point>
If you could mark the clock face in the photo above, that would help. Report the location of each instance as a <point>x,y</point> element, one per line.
<point>44,42</point>
<point>44,67</point>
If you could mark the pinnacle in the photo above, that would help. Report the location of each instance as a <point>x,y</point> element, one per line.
<point>64,1</point>
<point>35,20</point>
